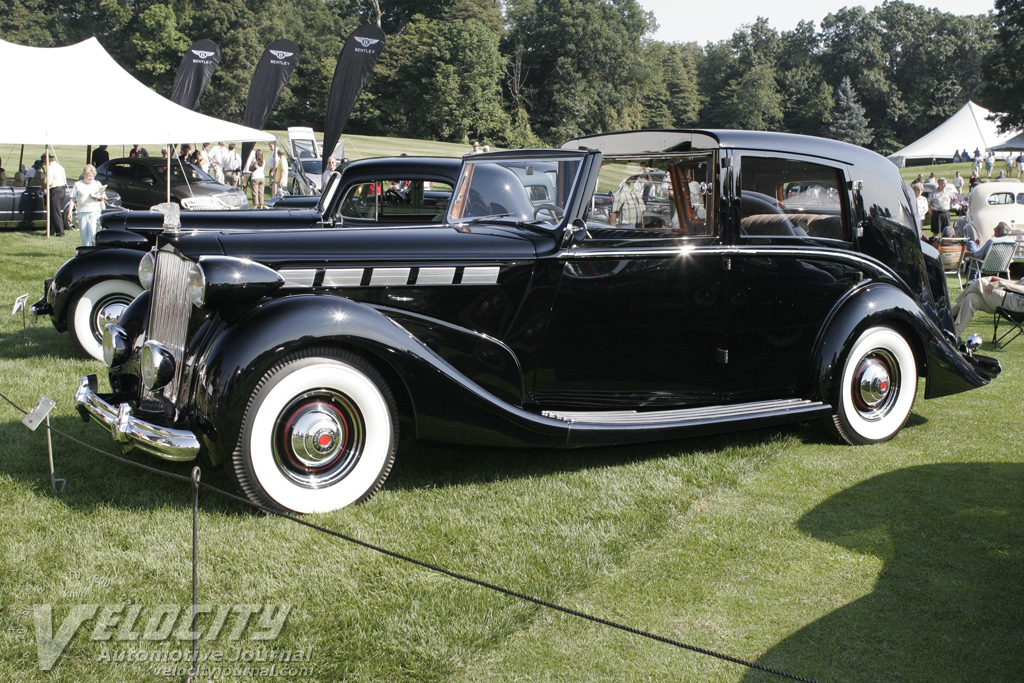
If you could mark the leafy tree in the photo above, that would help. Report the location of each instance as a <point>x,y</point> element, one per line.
<point>1004,91</point>
<point>755,101</point>
<point>585,69</point>
<point>449,76</point>
<point>848,121</point>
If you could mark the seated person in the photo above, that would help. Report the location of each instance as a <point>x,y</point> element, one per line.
<point>999,234</point>
<point>985,294</point>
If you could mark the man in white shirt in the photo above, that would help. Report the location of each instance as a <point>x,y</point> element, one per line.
<point>57,186</point>
<point>232,165</point>
<point>332,165</point>
<point>958,182</point>
<point>218,158</point>
<point>939,203</point>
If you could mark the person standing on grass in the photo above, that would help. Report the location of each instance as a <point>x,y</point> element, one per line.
<point>280,173</point>
<point>939,203</point>
<point>57,187</point>
<point>87,197</point>
<point>257,171</point>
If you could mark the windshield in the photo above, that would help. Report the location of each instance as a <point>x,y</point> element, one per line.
<point>521,189</point>
<point>180,172</point>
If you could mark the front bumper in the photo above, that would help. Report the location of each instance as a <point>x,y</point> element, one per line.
<point>178,445</point>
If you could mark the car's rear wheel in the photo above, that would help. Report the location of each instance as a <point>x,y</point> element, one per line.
<point>877,389</point>
<point>319,433</point>
<point>101,304</point>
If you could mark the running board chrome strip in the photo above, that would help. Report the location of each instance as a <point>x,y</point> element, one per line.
<point>684,416</point>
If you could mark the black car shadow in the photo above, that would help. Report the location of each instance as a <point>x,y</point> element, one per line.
<point>947,604</point>
<point>36,340</point>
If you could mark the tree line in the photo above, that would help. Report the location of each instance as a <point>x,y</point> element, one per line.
<point>527,72</point>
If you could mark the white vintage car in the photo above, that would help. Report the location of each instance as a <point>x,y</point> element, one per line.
<point>995,202</point>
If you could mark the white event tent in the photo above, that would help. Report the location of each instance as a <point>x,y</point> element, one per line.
<point>965,130</point>
<point>53,102</point>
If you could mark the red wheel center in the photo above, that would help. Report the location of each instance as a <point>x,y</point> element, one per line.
<point>325,440</point>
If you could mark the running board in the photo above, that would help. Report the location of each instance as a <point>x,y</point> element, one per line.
<point>778,411</point>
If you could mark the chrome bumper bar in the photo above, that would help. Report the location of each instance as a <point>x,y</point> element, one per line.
<point>178,445</point>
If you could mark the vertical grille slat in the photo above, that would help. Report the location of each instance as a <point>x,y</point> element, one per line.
<point>169,312</point>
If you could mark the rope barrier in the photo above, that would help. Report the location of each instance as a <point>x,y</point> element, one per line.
<point>196,483</point>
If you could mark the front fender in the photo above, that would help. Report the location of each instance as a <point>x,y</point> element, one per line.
<point>237,352</point>
<point>945,369</point>
<point>88,267</point>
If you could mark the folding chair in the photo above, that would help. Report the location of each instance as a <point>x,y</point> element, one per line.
<point>952,251</point>
<point>1014,318</point>
<point>997,261</point>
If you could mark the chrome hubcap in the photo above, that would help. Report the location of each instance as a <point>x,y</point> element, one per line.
<point>875,385</point>
<point>317,435</point>
<point>109,311</point>
<point>318,438</point>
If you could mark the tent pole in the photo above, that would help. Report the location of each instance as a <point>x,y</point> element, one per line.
<point>46,184</point>
<point>88,154</point>
<point>170,151</point>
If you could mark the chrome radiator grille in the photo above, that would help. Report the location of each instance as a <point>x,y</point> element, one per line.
<point>169,312</point>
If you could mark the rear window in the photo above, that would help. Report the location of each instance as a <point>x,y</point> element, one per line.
<point>1001,198</point>
<point>786,198</point>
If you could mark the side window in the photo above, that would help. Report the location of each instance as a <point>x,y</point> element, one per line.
<point>784,198</point>
<point>120,170</point>
<point>1000,198</point>
<point>362,201</point>
<point>396,201</point>
<point>656,195</point>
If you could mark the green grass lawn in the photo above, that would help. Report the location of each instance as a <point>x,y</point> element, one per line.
<point>896,562</point>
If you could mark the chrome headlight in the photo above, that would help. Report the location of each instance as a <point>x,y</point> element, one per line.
<point>196,287</point>
<point>157,365</point>
<point>147,266</point>
<point>115,345</point>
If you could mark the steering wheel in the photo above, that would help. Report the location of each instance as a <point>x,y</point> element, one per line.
<point>555,212</point>
<point>394,195</point>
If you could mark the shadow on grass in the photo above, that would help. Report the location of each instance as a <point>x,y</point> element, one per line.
<point>429,465</point>
<point>95,480</point>
<point>947,604</point>
<point>44,339</point>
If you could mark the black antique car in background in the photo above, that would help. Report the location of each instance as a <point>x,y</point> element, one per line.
<point>142,183</point>
<point>25,206</point>
<point>299,358</point>
<point>95,286</point>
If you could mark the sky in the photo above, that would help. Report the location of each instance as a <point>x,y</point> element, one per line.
<point>683,21</point>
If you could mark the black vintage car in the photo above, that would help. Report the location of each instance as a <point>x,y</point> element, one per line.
<point>94,287</point>
<point>24,207</point>
<point>142,183</point>
<point>300,358</point>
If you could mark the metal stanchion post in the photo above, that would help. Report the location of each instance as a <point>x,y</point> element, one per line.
<point>41,412</point>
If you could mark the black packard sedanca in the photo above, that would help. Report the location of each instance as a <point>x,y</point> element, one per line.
<point>783,282</point>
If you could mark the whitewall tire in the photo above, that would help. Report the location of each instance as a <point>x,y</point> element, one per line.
<point>101,304</point>
<point>320,433</point>
<point>877,388</point>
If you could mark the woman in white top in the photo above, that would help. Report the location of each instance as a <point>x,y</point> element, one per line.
<point>258,170</point>
<point>87,199</point>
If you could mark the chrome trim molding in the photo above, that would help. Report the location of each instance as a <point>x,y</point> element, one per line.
<point>177,445</point>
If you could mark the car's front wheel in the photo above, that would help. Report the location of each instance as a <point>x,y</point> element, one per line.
<point>319,433</point>
<point>100,304</point>
<point>877,389</point>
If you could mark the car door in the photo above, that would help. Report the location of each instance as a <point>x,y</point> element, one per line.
<point>792,263</point>
<point>639,318</point>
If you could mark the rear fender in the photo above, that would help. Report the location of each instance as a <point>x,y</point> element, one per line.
<point>942,365</point>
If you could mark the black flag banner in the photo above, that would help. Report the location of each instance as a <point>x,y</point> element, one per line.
<point>357,60</point>
<point>272,72</point>
<point>197,66</point>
